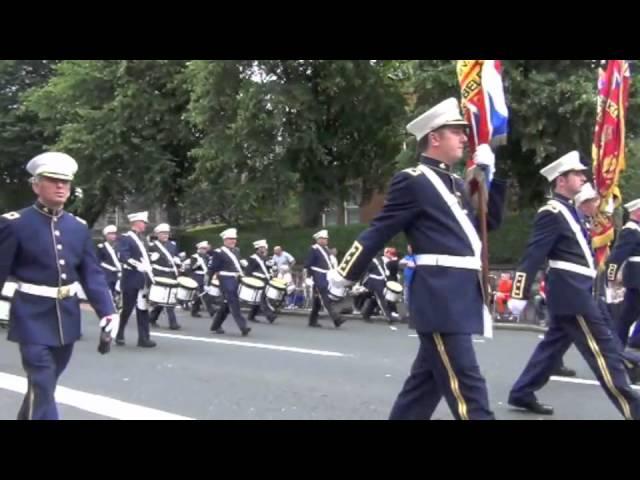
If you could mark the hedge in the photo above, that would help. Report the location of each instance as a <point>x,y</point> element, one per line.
<point>506,244</point>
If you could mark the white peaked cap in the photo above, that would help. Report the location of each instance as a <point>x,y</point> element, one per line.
<point>163,227</point>
<point>445,113</point>
<point>260,243</point>
<point>203,244</point>
<point>633,205</point>
<point>54,165</point>
<point>139,216</point>
<point>566,163</point>
<point>229,233</point>
<point>109,229</point>
<point>321,234</point>
<point>586,193</point>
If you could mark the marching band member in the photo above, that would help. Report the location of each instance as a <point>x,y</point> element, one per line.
<point>227,266</point>
<point>49,252</point>
<point>430,204</point>
<point>136,277</point>
<point>318,263</point>
<point>163,254</point>
<point>109,259</point>
<point>256,266</point>
<point>575,315</point>
<point>198,267</point>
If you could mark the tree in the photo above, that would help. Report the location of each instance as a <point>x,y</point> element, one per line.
<point>21,136</point>
<point>124,121</point>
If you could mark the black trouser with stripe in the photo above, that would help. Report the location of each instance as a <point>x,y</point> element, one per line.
<point>263,309</point>
<point>597,344</point>
<point>377,298</point>
<point>321,298</point>
<point>446,366</point>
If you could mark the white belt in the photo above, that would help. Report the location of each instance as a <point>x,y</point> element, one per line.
<point>633,259</point>
<point>321,270</point>
<point>469,263</point>
<point>573,267</point>
<point>50,292</point>
<point>109,267</point>
<point>229,274</point>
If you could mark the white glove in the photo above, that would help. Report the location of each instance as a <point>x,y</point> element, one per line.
<point>111,324</point>
<point>244,263</point>
<point>516,306</point>
<point>154,256</point>
<point>177,261</point>
<point>336,280</point>
<point>485,157</point>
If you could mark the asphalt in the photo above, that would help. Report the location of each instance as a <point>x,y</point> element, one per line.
<point>281,371</point>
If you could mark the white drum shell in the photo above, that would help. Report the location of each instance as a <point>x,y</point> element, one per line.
<point>163,294</point>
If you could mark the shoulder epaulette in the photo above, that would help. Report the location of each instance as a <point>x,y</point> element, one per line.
<point>11,215</point>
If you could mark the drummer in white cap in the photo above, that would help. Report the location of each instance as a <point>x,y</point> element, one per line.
<point>227,265</point>
<point>198,265</point>
<point>108,259</point>
<point>164,261</point>
<point>137,276</point>
<point>318,264</point>
<point>257,267</point>
<point>560,239</point>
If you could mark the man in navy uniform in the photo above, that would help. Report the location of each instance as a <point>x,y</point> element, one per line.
<point>430,205</point>
<point>627,251</point>
<point>257,267</point>
<point>375,281</point>
<point>198,266</point>
<point>575,315</point>
<point>163,254</point>
<point>227,265</point>
<point>109,259</point>
<point>318,263</point>
<point>50,254</point>
<point>136,278</point>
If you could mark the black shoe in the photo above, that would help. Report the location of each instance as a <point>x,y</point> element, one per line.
<point>219,331</point>
<point>315,325</point>
<point>367,319</point>
<point>272,318</point>
<point>196,315</point>
<point>533,406</point>
<point>153,324</point>
<point>564,371</point>
<point>146,343</point>
<point>339,321</point>
<point>175,327</point>
<point>245,331</point>
<point>120,341</point>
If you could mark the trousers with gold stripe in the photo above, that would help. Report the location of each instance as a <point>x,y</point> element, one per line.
<point>446,366</point>
<point>598,345</point>
<point>43,365</point>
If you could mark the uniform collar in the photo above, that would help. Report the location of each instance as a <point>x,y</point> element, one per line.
<point>50,212</point>
<point>562,198</point>
<point>435,164</point>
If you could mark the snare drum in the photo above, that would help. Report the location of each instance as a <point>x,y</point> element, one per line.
<point>5,306</point>
<point>336,294</point>
<point>8,289</point>
<point>186,289</point>
<point>393,292</point>
<point>214,291</point>
<point>250,290</point>
<point>276,290</point>
<point>163,292</point>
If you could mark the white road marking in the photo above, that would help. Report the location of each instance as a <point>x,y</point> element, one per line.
<point>583,381</point>
<point>89,402</point>
<point>412,335</point>
<point>265,346</point>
